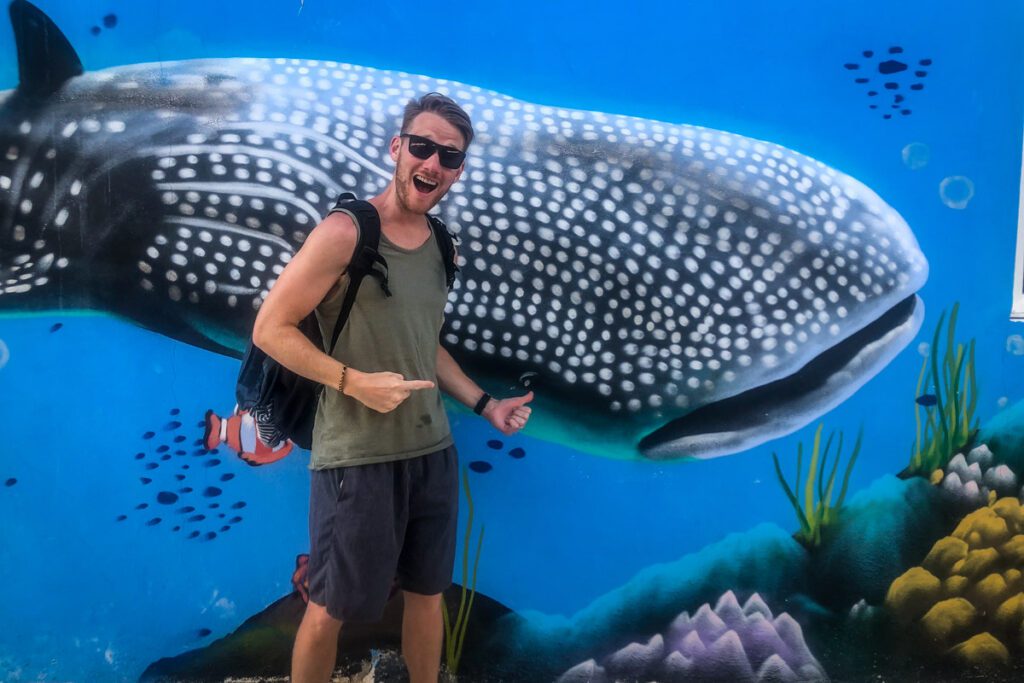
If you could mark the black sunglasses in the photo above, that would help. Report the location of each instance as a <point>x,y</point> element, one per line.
<point>424,148</point>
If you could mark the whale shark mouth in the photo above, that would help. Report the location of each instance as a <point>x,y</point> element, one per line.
<point>782,406</point>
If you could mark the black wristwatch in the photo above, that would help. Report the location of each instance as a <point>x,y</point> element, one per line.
<point>481,404</point>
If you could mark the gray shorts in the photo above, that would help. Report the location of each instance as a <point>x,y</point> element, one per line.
<point>372,524</point>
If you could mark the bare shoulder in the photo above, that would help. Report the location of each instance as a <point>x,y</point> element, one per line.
<point>333,240</point>
<point>335,226</point>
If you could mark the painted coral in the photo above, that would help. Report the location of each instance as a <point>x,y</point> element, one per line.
<point>728,643</point>
<point>966,600</point>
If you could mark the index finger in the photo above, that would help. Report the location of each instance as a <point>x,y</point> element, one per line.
<point>417,384</point>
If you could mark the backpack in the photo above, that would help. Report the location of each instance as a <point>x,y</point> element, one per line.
<point>283,403</point>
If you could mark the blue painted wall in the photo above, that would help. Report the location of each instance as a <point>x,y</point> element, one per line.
<point>89,597</point>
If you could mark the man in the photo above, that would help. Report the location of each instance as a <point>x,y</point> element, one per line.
<point>384,481</point>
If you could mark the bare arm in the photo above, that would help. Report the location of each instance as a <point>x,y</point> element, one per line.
<point>507,415</point>
<point>454,382</point>
<point>303,284</point>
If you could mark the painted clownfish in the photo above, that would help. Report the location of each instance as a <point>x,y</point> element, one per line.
<point>239,433</point>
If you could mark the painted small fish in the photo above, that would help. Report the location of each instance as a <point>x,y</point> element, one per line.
<point>926,400</point>
<point>238,432</point>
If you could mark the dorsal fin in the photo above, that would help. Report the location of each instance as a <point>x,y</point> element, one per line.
<point>46,59</point>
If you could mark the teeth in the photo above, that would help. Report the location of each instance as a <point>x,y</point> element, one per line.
<point>425,181</point>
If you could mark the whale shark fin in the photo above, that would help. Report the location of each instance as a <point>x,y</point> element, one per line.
<point>46,59</point>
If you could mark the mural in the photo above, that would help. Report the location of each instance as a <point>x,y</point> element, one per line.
<point>833,319</point>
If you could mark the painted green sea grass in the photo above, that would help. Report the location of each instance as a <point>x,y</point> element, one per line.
<point>455,633</point>
<point>816,511</point>
<point>950,425</point>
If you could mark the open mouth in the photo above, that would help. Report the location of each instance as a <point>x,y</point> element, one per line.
<point>785,405</point>
<point>424,185</point>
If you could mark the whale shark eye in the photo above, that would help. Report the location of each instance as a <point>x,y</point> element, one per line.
<point>528,381</point>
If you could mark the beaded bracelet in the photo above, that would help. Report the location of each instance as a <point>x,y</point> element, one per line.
<point>341,380</point>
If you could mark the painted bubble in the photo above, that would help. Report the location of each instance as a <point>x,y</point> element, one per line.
<point>1003,400</point>
<point>956,191</point>
<point>923,348</point>
<point>1015,344</point>
<point>916,155</point>
<point>5,354</point>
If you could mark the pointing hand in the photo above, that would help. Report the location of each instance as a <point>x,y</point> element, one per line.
<point>382,391</point>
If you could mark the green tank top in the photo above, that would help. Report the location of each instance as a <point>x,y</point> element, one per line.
<point>399,334</point>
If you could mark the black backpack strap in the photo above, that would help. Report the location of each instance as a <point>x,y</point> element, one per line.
<point>446,243</point>
<point>366,259</point>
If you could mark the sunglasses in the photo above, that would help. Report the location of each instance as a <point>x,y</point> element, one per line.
<point>424,148</point>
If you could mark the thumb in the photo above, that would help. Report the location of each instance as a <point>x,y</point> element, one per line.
<point>517,401</point>
<point>415,384</point>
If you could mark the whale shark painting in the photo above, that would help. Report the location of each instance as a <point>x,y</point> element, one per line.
<point>671,291</point>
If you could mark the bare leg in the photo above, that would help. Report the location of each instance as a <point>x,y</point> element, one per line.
<point>422,634</point>
<point>316,646</point>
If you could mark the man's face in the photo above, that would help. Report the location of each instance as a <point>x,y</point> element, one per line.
<point>421,183</point>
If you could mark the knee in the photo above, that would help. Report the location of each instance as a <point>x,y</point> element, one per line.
<point>317,619</point>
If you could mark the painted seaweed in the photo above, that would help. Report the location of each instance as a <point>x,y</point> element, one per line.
<point>949,423</point>
<point>455,632</point>
<point>817,510</point>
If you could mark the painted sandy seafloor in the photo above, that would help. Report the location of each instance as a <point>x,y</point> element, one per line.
<point>138,550</point>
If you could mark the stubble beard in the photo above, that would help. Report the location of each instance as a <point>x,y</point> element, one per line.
<point>403,187</point>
